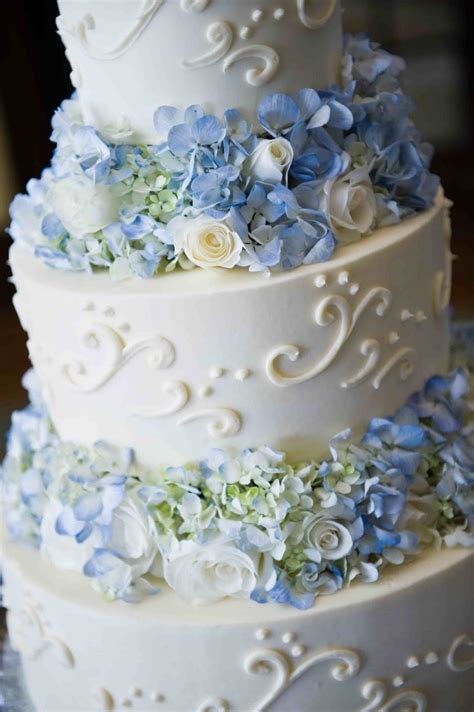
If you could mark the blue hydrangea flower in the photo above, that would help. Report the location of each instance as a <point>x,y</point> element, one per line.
<point>303,530</point>
<point>441,401</point>
<point>201,164</point>
<point>397,445</point>
<point>92,154</point>
<point>371,67</point>
<point>310,528</point>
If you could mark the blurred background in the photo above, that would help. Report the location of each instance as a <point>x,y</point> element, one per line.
<point>435,37</point>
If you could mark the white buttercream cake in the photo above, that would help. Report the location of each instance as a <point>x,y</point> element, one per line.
<point>245,477</point>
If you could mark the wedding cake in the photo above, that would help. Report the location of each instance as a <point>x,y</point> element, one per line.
<point>245,477</point>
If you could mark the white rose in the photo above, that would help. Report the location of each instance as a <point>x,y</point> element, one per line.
<point>326,538</point>
<point>131,552</point>
<point>61,550</point>
<point>270,161</point>
<point>208,573</point>
<point>82,206</point>
<point>206,242</point>
<point>350,204</point>
<point>133,536</point>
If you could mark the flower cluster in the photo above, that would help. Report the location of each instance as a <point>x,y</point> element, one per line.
<point>319,168</point>
<point>249,526</point>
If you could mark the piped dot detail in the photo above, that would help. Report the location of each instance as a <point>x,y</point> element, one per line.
<point>205,391</point>
<point>157,697</point>
<point>298,650</point>
<point>242,374</point>
<point>216,372</point>
<point>262,634</point>
<point>406,315</point>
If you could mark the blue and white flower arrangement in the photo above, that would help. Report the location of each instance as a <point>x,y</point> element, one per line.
<point>252,525</point>
<point>317,169</point>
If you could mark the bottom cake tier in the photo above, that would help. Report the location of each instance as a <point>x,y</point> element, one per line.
<point>405,643</point>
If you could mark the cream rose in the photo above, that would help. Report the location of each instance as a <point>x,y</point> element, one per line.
<point>206,242</point>
<point>82,206</point>
<point>270,161</point>
<point>350,204</point>
<point>208,573</point>
<point>325,538</point>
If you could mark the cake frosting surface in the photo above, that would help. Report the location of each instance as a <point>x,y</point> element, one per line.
<point>235,279</point>
<point>175,366</point>
<point>370,648</point>
<point>129,59</point>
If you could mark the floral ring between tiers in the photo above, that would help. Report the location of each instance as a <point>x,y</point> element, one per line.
<point>253,525</point>
<point>321,169</point>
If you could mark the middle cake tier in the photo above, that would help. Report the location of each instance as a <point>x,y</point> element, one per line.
<point>183,363</point>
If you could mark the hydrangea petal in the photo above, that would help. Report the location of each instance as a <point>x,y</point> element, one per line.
<point>277,113</point>
<point>87,507</point>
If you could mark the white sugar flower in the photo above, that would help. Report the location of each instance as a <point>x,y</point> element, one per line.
<point>82,206</point>
<point>270,161</point>
<point>130,555</point>
<point>325,538</point>
<point>206,242</point>
<point>350,204</point>
<point>133,537</point>
<point>206,573</point>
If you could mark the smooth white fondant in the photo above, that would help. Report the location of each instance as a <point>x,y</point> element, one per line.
<point>318,342</point>
<point>132,56</point>
<point>341,655</point>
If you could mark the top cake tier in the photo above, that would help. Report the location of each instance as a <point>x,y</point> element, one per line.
<point>131,56</point>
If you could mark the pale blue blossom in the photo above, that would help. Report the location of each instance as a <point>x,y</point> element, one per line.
<point>27,212</point>
<point>92,154</point>
<point>372,67</point>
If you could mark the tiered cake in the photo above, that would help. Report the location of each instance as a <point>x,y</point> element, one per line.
<point>235,279</point>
